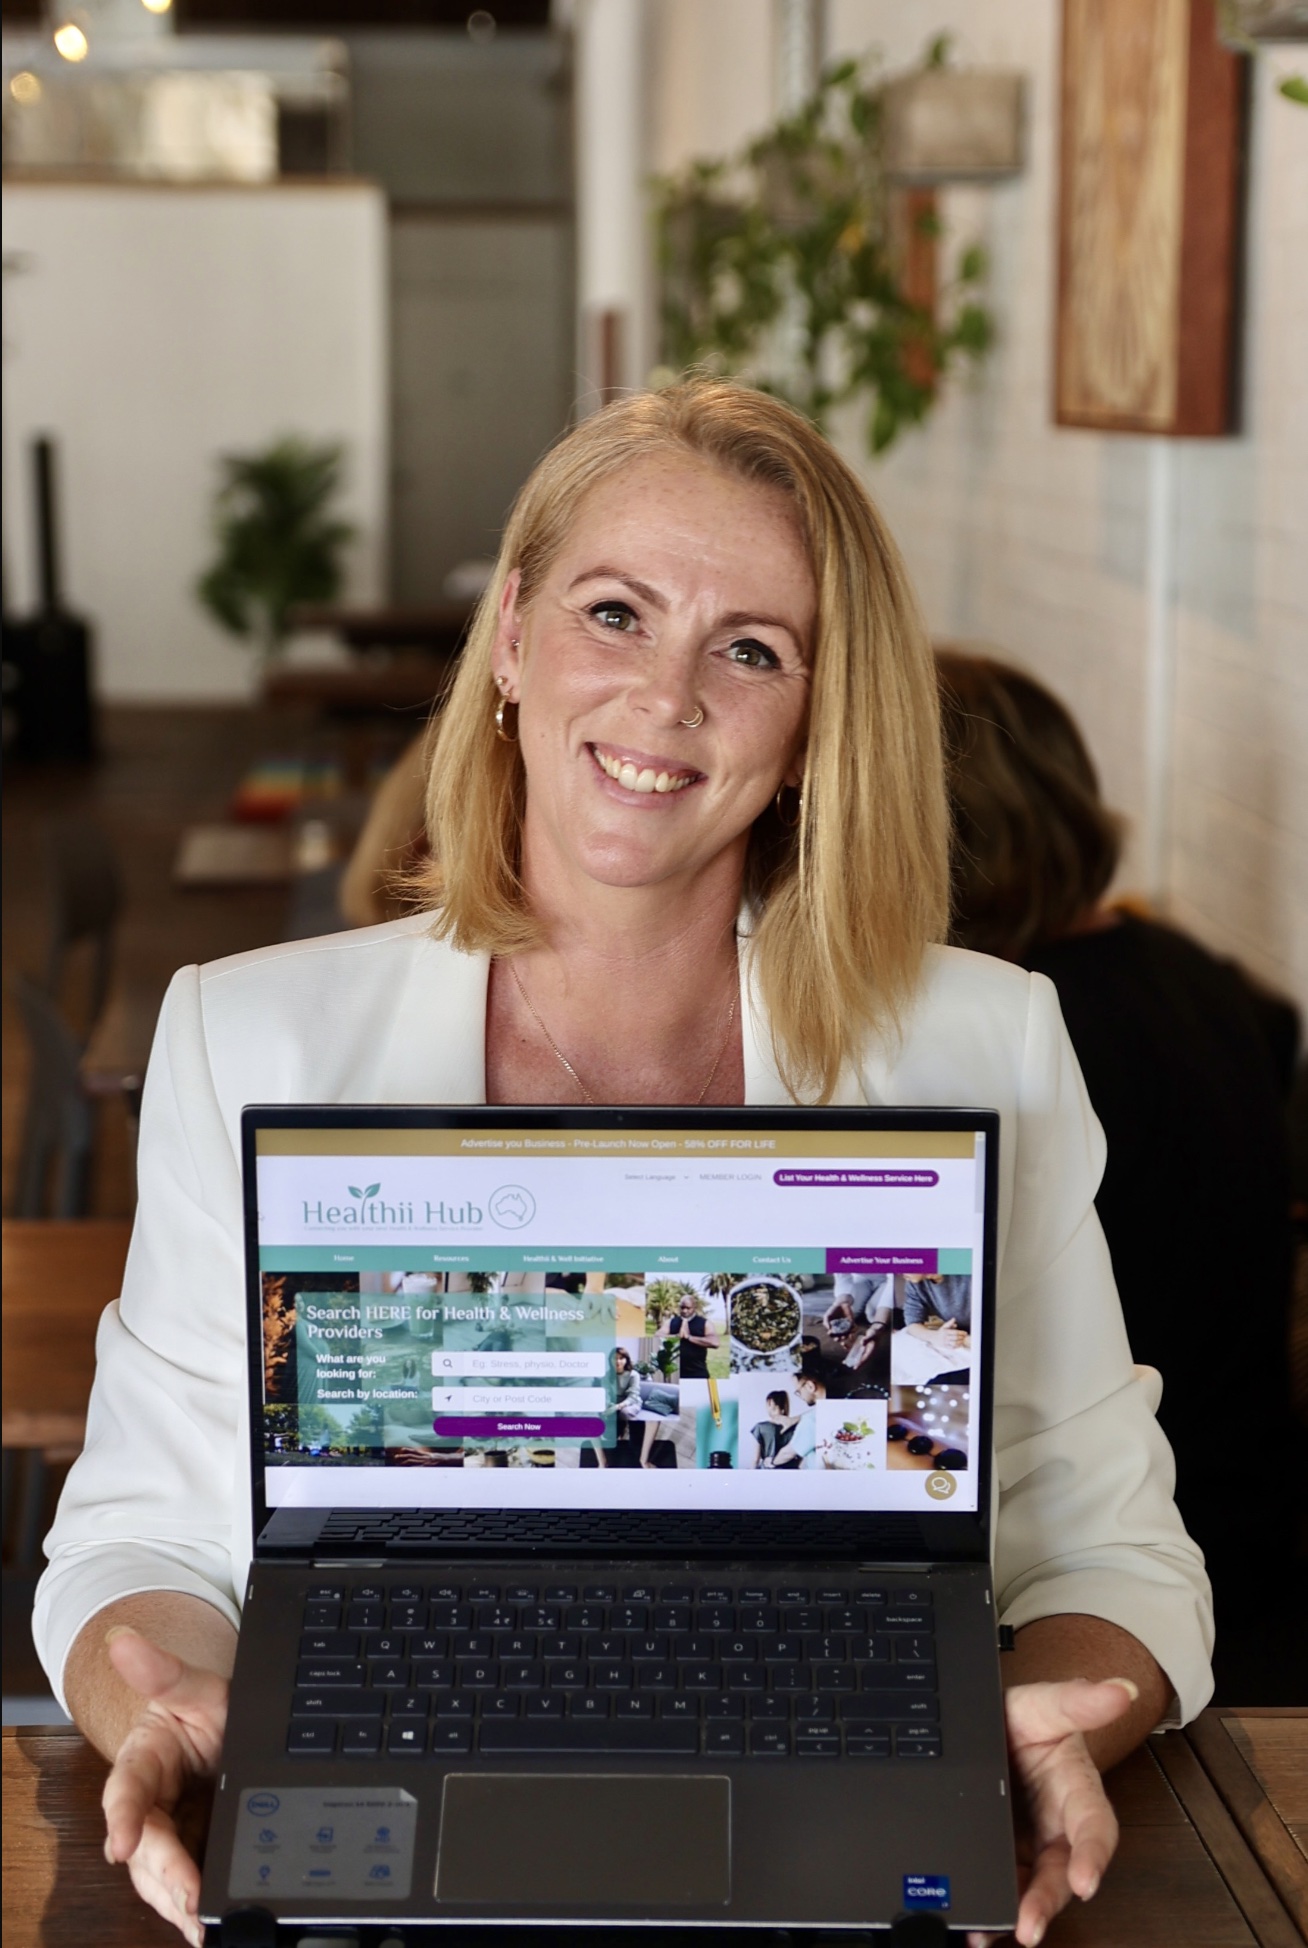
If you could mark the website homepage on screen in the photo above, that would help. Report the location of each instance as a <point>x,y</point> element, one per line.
<point>644,1319</point>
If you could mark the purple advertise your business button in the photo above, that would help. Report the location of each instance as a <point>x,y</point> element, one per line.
<point>882,1261</point>
<point>517,1427</point>
<point>857,1179</point>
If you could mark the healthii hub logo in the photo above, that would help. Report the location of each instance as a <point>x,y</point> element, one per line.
<point>510,1207</point>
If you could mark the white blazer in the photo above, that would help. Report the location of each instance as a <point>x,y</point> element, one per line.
<point>160,1498</point>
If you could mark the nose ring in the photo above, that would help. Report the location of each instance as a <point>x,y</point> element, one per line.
<point>693,723</point>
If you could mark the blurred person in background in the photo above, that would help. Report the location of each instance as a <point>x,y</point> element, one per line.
<point>1188,1065</point>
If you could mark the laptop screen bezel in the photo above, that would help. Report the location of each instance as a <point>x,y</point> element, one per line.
<point>941,1535</point>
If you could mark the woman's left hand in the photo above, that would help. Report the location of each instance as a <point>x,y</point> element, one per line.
<point>1071,1828</point>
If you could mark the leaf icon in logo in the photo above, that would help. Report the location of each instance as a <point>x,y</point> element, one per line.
<point>354,1190</point>
<point>373,1189</point>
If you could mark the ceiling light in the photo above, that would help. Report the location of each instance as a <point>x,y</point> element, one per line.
<point>156,6</point>
<point>25,88</point>
<point>71,42</point>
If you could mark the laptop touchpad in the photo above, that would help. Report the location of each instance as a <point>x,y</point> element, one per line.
<point>582,1840</point>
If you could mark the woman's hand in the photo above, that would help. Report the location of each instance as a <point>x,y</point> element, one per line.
<point>1071,1828</point>
<point>174,1742</point>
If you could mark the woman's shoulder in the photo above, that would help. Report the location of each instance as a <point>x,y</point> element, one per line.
<point>966,1033</point>
<point>386,1013</point>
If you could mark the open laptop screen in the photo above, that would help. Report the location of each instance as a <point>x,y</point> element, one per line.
<point>742,1311</point>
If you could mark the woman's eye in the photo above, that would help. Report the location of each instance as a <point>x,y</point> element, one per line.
<point>614,615</point>
<point>755,656</point>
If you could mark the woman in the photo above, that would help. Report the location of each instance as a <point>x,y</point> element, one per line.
<point>772,1436</point>
<point>1188,1067</point>
<point>688,845</point>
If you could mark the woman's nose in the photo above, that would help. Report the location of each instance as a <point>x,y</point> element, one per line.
<point>668,686</point>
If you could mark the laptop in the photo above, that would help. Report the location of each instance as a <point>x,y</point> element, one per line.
<point>621,1488</point>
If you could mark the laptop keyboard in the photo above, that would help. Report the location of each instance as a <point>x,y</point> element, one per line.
<point>677,1668</point>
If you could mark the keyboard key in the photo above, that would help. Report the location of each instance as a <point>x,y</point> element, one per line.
<point>899,1706</point>
<point>361,1740</point>
<point>388,1677</point>
<point>600,1593</point>
<point>833,1677</point>
<point>504,1704</point>
<point>633,1706</point>
<point>769,1741</point>
<point>545,1704</point>
<point>794,1593</point>
<point>638,1592</point>
<point>896,1618</point>
<point>522,1593</point>
<point>433,1673</point>
<point>313,1702</point>
<point>568,1677</point>
<point>831,1596</point>
<point>388,1645</point>
<point>862,1742</point>
<point>902,1677</point>
<point>482,1593</point>
<point>682,1706</point>
<point>368,1593</point>
<point>453,1704</point>
<point>724,1706</point>
<point>561,1593</point>
<point>518,1676</point>
<point>812,1744</point>
<point>448,1735</point>
<point>321,1616</point>
<point>317,1672</point>
<point>406,1738</point>
<point>724,1739</point>
<point>656,1677</point>
<point>365,1616</point>
<point>658,1736</point>
<point>716,1594</point>
<point>914,1650</point>
<point>589,1704</point>
<point>745,1679</point>
<point>476,1674</point>
<point>407,1616</point>
<point>310,1739</point>
<point>408,1593</point>
<point>678,1593</point>
<point>328,1643</point>
<point>611,1677</point>
<point>701,1677</point>
<point>927,1749</point>
<point>325,1593</point>
<point>755,1593</point>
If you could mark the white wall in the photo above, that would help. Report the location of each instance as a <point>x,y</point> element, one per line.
<point>151,330</point>
<point>1034,538</point>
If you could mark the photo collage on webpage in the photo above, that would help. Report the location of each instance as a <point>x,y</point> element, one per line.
<point>658,1369</point>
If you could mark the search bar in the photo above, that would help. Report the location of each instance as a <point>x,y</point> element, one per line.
<point>532,1366</point>
<point>537,1401</point>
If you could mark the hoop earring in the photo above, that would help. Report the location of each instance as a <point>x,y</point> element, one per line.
<point>502,718</point>
<point>790,823</point>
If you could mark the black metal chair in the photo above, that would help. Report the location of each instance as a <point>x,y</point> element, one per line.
<point>54,1162</point>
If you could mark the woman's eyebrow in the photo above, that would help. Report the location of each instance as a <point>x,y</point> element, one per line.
<point>603,574</point>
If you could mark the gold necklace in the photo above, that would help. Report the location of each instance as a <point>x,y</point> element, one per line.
<point>562,1059</point>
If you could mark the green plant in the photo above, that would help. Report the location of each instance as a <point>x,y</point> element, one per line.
<point>277,543</point>
<point>780,265</point>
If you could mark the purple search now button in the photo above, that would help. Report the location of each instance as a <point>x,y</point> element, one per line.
<point>517,1427</point>
<point>882,1261</point>
<point>857,1179</point>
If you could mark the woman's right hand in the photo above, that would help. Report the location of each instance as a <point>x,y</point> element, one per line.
<point>174,1742</point>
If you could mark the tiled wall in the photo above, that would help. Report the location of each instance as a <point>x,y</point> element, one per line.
<point>1035,539</point>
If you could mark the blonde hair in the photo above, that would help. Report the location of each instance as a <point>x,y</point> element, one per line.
<point>847,900</point>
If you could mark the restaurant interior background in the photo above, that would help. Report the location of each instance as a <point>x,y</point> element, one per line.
<point>394,247</point>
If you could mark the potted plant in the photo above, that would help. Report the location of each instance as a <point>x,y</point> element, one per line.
<point>278,543</point>
<point>782,264</point>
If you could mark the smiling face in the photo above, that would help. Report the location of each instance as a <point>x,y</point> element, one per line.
<point>680,589</point>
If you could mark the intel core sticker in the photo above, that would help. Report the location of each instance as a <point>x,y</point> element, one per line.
<point>304,1841</point>
<point>926,1890</point>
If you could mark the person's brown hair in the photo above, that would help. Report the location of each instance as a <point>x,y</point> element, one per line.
<point>846,901</point>
<point>1034,845</point>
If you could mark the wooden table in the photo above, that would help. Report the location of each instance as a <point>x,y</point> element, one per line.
<point>1214,1827</point>
<point>59,1275</point>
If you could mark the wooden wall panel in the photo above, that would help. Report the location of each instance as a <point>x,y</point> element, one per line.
<point>1149,243</point>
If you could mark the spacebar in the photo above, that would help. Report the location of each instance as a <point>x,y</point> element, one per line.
<point>589,1735</point>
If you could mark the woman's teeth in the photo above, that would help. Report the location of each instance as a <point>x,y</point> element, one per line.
<point>624,773</point>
